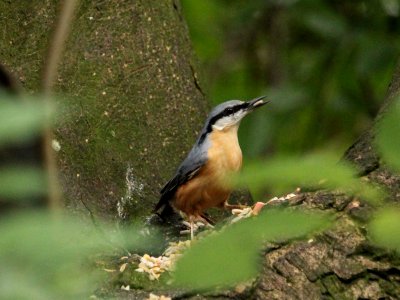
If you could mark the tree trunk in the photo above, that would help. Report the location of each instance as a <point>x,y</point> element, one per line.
<point>132,103</point>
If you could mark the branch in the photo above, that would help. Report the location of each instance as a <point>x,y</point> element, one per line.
<point>55,50</point>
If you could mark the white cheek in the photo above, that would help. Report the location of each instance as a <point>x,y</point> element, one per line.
<point>229,121</point>
<point>226,122</point>
<point>222,123</point>
<point>239,115</point>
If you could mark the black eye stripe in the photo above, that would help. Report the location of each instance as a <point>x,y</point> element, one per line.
<point>226,112</point>
<point>233,109</point>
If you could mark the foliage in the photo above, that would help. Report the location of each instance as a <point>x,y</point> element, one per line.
<point>22,183</point>
<point>55,247</point>
<point>325,66</point>
<point>38,252</point>
<point>232,255</point>
<point>385,228</point>
<point>320,170</point>
<point>387,140</point>
<point>43,257</point>
<point>21,119</point>
<point>52,256</point>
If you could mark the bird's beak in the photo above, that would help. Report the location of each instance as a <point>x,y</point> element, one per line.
<point>258,102</point>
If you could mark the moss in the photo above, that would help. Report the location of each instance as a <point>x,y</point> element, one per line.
<point>333,287</point>
<point>140,281</point>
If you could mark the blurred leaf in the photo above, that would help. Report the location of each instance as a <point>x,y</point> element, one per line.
<point>324,22</point>
<point>388,135</point>
<point>391,7</point>
<point>22,183</point>
<point>287,98</point>
<point>322,170</point>
<point>320,18</point>
<point>385,228</point>
<point>45,256</point>
<point>232,255</point>
<point>371,59</point>
<point>21,120</point>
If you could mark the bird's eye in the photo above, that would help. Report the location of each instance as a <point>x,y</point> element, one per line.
<point>229,111</point>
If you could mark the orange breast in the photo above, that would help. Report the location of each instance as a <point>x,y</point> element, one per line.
<point>210,188</point>
<point>224,155</point>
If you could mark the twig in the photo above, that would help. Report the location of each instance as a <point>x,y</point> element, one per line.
<point>49,74</point>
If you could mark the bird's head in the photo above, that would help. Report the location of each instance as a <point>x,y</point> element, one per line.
<point>230,113</point>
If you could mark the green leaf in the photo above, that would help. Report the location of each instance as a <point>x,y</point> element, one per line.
<point>231,256</point>
<point>388,136</point>
<point>325,23</point>
<point>22,183</point>
<point>45,256</point>
<point>21,119</point>
<point>385,228</point>
<point>318,170</point>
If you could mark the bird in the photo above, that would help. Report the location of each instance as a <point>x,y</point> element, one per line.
<point>202,179</point>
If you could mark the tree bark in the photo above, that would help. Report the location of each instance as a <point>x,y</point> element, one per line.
<point>131,99</point>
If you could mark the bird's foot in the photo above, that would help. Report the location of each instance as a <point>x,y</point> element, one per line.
<point>192,227</point>
<point>257,208</point>
<point>194,224</point>
<point>247,212</point>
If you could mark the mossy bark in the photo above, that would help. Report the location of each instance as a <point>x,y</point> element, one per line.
<point>132,104</point>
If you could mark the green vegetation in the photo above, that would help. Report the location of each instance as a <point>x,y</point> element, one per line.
<point>20,120</point>
<point>43,257</point>
<point>222,259</point>
<point>325,66</point>
<point>322,170</point>
<point>388,142</point>
<point>232,255</point>
<point>55,246</point>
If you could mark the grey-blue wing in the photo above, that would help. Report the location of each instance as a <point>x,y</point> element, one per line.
<point>189,168</point>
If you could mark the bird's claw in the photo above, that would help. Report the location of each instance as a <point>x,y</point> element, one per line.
<point>197,224</point>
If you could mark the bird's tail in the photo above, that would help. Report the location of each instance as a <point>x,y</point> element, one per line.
<point>165,211</point>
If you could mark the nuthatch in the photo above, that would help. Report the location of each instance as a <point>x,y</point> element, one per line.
<point>201,180</point>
